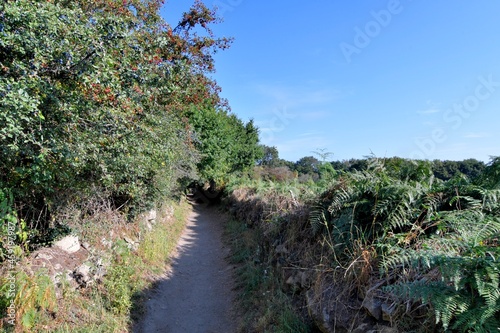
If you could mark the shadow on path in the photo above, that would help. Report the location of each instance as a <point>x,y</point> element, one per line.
<point>196,295</point>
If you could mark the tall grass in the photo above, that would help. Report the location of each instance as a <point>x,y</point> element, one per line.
<point>265,308</point>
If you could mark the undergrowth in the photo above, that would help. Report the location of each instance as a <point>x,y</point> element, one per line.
<point>427,249</point>
<point>109,305</point>
<point>265,307</point>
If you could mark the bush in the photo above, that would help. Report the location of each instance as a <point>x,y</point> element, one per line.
<point>106,95</point>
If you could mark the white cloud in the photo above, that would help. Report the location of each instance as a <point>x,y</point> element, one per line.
<point>429,111</point>
<point>476,135</point>
<point>431,108</point>
<point>309,134</point>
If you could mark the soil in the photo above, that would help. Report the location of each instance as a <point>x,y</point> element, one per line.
<point>196,295</point>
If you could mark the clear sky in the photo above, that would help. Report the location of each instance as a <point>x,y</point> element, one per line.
<point>415,79</point>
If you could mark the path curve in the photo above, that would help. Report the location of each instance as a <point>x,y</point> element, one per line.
<point>197,294</point>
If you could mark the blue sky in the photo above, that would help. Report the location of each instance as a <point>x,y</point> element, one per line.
<point>415,79</point>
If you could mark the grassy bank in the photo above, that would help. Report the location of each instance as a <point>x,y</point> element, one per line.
<point>265,306</point>
<point>131,254</point>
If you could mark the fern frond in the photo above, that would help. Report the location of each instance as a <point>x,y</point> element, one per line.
<point>490,199</point>
<point>317,218</point>
<point>401,215</point>
<point>339,200</point>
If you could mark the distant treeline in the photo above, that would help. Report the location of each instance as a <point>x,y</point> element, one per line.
<point>309,167</point>
<point>442,169</point>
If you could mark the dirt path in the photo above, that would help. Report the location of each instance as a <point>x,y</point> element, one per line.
<point>196,295</point>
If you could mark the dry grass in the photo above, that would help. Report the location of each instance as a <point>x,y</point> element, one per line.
<point>269,239</point>
<point>102,307</point>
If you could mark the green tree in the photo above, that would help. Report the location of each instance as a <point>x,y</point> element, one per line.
<point>225,143</point>
<point>307,165</point>
<point>247,147</point>
<point>471,167</point>
<point>270,156</point>
<point>95,95</point>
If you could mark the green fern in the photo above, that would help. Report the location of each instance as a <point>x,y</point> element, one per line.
<point>467,298</point>
<point>317,218</point>
<point>438,240</point>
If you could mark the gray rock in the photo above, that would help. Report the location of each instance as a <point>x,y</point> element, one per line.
<point>44,256</point>
<point>388,311</point>
<point>82,275</point>
<point>151,216</point>
<point>69,244</point>
<point>319,313</point>
<point>373,306</point>
<point>386,329</point>
<point>281,249</point>
<point>363,328</point>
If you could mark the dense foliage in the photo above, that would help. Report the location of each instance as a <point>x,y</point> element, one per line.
<point>103,100</point>
<point>439,238</point>
<point>228,145</point>
<point>392,234</point>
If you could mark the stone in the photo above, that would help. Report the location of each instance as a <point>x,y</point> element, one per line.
<point>373,306</point>
<point>319,313</point>
<point>69,244</point>
<point>281,249</point>
<point>151,216</point>
<point>363,328</point>
<point>44,256</point>
<point>388,311</point>
<point>386,329</point>
<point>82,275</point>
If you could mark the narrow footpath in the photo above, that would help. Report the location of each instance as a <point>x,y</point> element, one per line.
<point>196,295</point>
